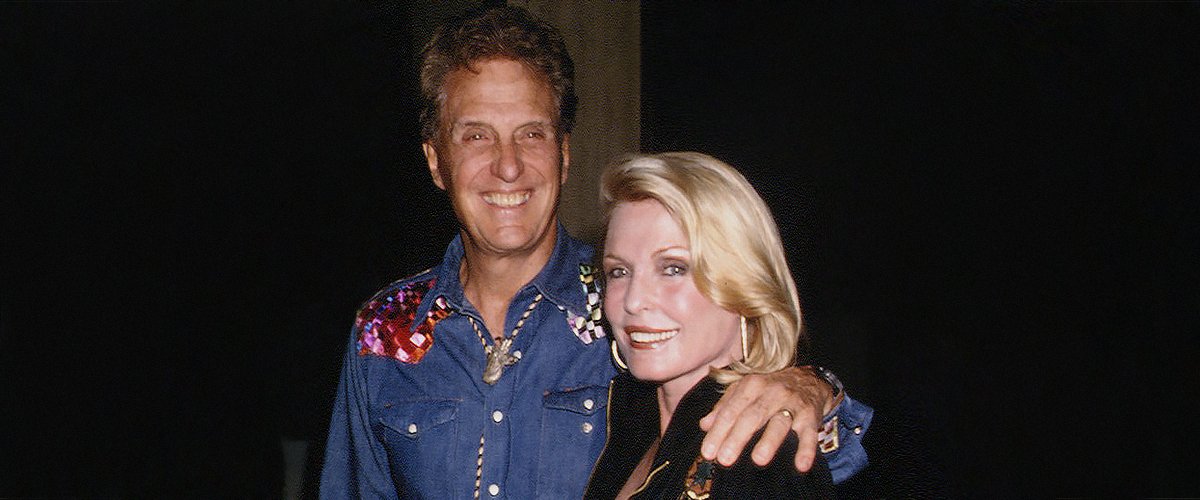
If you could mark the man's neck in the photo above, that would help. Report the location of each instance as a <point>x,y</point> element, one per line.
<point>490,281</point>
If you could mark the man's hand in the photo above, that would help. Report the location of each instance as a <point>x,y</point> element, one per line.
<point>756,400</point>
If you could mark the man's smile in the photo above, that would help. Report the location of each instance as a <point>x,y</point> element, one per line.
<point>507,200</point>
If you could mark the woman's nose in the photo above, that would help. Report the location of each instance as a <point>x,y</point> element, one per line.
<point>639,294</point>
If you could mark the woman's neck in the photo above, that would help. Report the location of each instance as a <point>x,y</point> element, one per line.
<point>670,393</point>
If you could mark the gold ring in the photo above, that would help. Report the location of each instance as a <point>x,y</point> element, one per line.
<point>787,413</point>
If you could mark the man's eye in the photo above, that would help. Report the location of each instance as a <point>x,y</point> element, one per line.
<point>534,134</point>
<point>475,137</point>
<point>674,270</point>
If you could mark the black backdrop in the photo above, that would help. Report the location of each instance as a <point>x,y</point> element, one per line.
<point>991,213</point>
<point>989,208</point>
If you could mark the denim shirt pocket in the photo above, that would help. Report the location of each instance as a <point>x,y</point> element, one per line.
<point>573,430</point>
<point>419,437</point>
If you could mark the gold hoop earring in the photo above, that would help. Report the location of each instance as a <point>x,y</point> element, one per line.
<point>745,340</point>
<point>617,356</point>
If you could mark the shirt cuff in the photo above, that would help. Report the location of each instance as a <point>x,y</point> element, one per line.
<point>841,435</point>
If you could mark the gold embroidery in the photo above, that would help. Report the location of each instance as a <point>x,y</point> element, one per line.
<point>651,476</point>
<point>698,484</point>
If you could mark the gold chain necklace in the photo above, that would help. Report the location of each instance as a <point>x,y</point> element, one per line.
<point>497,355</point>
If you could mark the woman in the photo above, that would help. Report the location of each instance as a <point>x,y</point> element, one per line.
<point>698,294</point>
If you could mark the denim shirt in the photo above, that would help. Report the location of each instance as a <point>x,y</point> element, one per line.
<point>423,424</point>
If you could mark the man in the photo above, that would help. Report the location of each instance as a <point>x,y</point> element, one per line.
<point>487,376</point>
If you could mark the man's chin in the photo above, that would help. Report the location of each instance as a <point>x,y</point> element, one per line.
<point>511,240</point>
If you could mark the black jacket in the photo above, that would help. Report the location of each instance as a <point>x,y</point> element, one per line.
<point>633,426</point>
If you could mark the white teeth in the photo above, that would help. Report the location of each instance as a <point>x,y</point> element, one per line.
<point>651,337</point>
<point>506,200</point>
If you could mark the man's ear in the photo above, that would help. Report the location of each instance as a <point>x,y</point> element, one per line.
<point>431,159</point>
<point>566,157</point>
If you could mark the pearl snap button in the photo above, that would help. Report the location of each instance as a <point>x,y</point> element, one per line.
<point>858,430</point>
<point>587,428</point>
<point>412,428</point>
<point>497,416</point>
<point>588,404</point>
<point>494,489</point>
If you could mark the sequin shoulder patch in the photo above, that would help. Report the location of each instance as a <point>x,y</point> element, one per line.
<point>588,327</point>
<point>385,323</point>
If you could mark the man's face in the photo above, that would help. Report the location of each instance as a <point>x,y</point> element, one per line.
<point>498,157</point>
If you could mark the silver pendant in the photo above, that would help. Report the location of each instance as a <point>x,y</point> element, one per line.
<point>498,358</point>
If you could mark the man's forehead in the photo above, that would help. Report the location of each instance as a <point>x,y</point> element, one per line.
<point>504,92</point>
<point>508,64</point>
<point>497,76</point>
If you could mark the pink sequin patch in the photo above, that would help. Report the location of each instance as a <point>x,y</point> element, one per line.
<point>386,324</point>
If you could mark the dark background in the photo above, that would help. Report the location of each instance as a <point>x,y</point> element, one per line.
<point>989,207</point>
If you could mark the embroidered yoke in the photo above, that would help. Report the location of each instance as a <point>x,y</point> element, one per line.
<point>414,419</point>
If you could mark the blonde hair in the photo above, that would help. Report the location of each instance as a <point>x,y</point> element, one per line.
<point>738,260</point>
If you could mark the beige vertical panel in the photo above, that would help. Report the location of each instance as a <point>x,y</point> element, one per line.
<point>604,38</point>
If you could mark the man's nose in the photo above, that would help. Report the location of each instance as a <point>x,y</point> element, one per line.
<point>507,166</point>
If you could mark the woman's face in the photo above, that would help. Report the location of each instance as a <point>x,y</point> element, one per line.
<point>667,331</point>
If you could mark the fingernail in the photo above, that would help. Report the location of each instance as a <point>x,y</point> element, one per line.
<point>709,451</point>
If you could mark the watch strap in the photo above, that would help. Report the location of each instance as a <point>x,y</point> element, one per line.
<point>830,379</point>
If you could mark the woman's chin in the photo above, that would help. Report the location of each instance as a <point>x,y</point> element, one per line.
<point>648,373</point>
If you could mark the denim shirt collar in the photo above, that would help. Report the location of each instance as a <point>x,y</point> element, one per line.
<point>558,281</point>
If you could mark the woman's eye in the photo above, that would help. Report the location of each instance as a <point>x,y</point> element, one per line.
<point>674,270</point>
<point>617,272</point>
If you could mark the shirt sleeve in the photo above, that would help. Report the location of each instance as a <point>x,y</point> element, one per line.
<point>356,463</point>
<point>841,438</point>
